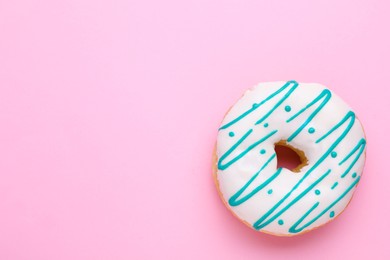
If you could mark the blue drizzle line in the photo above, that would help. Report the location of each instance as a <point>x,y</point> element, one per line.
<point>349,115</point>
<point>294,229</point>
<point>292,84</point>
<point>360,146</point>
<point>258,224</point>
<point>223,157</point>
<point>235,200</point>
<point>325,95</point>
<point>279,102</point>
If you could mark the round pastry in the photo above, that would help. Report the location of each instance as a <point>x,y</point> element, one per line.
<point>319,127</point>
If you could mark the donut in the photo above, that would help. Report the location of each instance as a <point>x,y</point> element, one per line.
<point>311,120</point>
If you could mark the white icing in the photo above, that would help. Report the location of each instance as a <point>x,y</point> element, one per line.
<point>232,178</point>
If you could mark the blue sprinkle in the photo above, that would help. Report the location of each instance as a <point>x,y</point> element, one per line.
<point>331,214</point>
<point>354,175</point>
<point>270,191</point>
<point>311,130</point>
<point>266,125</point>
<point>333,154</point>
<point>287,108</point>
<point>262,151</point>
<point>317,192</point>
<point>280,222</point>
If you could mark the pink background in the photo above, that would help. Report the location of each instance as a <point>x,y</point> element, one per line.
<point>109,112</point>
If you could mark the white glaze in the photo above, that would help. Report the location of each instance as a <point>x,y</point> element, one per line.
<point>231,179</point>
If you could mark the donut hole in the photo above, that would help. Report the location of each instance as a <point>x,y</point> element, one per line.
<point>289,157</point>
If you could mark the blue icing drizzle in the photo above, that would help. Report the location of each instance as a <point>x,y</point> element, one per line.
<point>260,223</point>
<point>235,200</point>
<point>325,95</point>
<point>223,157</point>
<point>294,228</point>
<point>290,84</point>
<point>360,148</point>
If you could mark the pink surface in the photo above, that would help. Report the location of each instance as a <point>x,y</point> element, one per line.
<point>109,112</point>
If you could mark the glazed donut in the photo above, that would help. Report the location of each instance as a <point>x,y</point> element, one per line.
<point>309,119</point>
